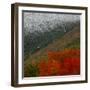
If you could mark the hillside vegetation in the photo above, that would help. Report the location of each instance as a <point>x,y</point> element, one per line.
<point>61,54</point>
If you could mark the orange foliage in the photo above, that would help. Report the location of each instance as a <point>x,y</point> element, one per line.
<point>50,67</point>
<point>66,62</point>
<point>63,54</point>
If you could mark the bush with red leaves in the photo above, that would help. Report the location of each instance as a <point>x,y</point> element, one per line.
<point>60,63</point>
<point>66,62</point>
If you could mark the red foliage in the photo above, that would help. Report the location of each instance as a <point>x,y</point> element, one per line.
<point>43,70</point>
<point>63,54</point>
<point>70,66</point>
<point>54,66</point>
<point>66,62</point>
<point>50,67</point>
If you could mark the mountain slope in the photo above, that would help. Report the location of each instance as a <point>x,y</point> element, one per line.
<point>70,40</point>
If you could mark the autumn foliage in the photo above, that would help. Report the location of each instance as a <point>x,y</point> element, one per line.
<point>66,62</point>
